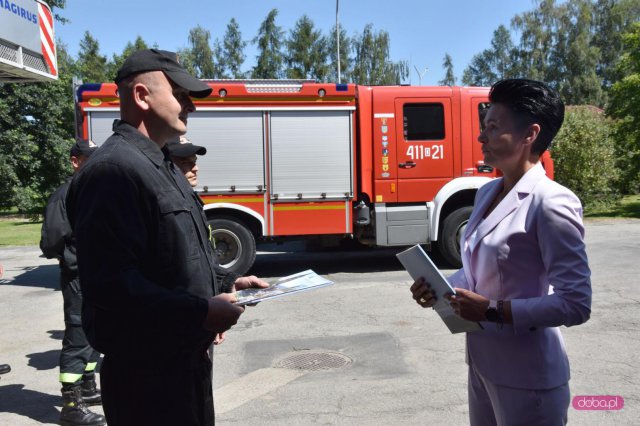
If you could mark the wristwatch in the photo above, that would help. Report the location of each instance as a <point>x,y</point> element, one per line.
<point>492,313</point>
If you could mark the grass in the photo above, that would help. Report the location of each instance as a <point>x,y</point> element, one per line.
<point>16,231</point>
<point>628,207</point>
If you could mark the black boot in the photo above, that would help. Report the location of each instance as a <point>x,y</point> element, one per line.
<point>90,392</point>
<point>75,411</point>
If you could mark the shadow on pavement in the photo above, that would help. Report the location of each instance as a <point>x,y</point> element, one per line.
<point>28,403</point>
<point>43,276</point>
<point>56,334</point>
<point>44,360</point>
<point>273,260</point>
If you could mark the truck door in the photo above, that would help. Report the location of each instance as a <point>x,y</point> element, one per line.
<point>479,108</point>
<point>424,147</point>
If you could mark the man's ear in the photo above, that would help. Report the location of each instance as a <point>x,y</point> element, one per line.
<point>531,134</point>
<point>75,163</point>
<point>140,96</point>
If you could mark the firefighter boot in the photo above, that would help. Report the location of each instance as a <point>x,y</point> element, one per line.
<point>74,410</point>
<point>90,392</point>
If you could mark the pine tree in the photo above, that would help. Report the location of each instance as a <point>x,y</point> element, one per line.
<point>372,65</point>
<point>269,40</point>
<point>307,52</point>
<point>449,77</point>
<point>231,52</point>
<point>91,66</point>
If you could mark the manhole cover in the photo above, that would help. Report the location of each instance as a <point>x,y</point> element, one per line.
<point>313,360</point>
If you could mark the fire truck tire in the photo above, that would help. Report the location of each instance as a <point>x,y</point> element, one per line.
<point>234,244</point>
<point>453,227</point>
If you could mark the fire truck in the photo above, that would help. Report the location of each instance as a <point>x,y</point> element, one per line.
<point>27,42</point>
<point>383,165</point>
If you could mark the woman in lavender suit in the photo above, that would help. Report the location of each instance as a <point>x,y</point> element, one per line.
<point>525,270</point>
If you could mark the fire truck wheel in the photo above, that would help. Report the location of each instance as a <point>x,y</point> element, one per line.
<point>453,227</point>
<point>234,244</point>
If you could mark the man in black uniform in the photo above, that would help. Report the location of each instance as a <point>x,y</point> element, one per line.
<point>77,359</point>
<point>152,301</point>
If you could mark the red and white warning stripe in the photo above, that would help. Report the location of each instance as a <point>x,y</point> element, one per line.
<point>47,38</point>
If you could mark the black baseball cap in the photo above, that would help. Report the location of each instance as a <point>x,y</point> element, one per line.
<point>184,148</point>
<point>167,62</point>
<point>84,147</point>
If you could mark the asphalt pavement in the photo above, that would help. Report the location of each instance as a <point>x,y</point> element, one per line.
<point>359,352</point>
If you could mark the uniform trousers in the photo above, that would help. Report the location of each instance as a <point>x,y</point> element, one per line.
<point>491,405</point>
<point>76,352</point>
<point>169,396</point>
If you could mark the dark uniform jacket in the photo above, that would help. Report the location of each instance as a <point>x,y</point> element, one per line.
<point>56,241</point>
<point>146,264</point>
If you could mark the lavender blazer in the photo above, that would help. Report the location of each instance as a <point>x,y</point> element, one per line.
<point>529,250</point>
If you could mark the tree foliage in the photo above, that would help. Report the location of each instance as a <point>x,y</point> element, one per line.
<point>492,64</point>
<point>307,52</point>
<point>199,55</point>
<point>372,63</point>
<point>36,133</point>
<point>449,77</point>
<point>345,60</point>
<point>625,107</point>
<point>117,60</point>
<point>584,156</point>
<point>91,66</point>
<point>270,59</point>
<point>231,56</point>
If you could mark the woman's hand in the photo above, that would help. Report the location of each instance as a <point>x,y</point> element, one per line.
<point>469,305</point>
<point>422,293</point>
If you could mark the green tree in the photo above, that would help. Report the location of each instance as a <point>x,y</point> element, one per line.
<point>36,133</point>
<point>306,52</point>
<point>611,19</point>
<point>574,59</point>
<point>372,64</point>
<point>492,64</point>
<point>117,60</point>
<point>345,60</point>
<point>91,66</point>
<point>449,77</point>
<point>199,55</point>
<point>231,54</point>
<point>537,29</point>
<point>584,156</point>
<point>270,59</point>
<point>625,107</point>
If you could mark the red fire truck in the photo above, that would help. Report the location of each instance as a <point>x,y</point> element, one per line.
<point>386,166</point>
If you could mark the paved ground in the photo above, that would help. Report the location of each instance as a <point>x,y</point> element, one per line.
<point>404,368</point>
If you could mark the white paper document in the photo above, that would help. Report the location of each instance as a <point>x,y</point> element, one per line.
<point>418,264</point>
<point>305,280</point>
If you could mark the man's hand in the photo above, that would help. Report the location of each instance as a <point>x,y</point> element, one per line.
<point>469,305</point>
<point>249,282</point>
<point>219,338</point>
<point>222,313</point>
<point>422,293</point>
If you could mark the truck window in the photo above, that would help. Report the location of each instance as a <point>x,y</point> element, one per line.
<point>423,122</point>
<point>483,107</point>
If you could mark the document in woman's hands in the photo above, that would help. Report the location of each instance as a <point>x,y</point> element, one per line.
<point>419,265</point>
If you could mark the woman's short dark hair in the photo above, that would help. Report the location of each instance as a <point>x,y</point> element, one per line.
<point>531,102</point>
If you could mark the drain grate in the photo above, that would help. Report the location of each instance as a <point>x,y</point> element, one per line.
<point>313,360</point>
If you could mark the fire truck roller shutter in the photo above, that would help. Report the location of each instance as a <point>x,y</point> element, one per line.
<point>234,244</point>
<point>311,154</point>
<point>101,124</point>
<point>453,227</point>
<point>235,144</point>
